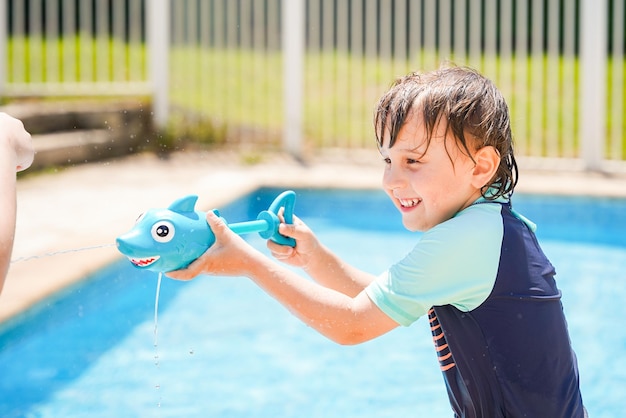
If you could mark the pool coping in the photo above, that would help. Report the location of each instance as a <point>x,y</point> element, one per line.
<point>87,206</point>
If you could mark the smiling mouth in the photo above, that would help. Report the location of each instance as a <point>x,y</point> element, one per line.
<point>144,262</point>
<point>409,203</point>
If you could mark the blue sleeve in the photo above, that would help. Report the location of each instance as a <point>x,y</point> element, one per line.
<point>454,263</point>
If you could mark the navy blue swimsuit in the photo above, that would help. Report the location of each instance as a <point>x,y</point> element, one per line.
<point>507,353</point>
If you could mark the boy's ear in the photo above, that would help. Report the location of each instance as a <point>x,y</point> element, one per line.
<point>487,162</point>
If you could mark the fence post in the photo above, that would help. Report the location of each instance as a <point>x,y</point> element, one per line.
<point>293,67</point>
<point>4,38</point>
<point>158,26</point>
<point>593,89</point>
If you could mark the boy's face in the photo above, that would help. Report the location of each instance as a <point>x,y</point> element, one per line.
<point>428,184</point>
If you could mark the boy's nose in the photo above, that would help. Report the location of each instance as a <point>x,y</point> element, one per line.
<point>392,179</point>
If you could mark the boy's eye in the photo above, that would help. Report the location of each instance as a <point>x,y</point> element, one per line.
<point>411,161</point>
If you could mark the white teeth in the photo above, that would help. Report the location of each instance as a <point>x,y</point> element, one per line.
<point>143,262</point>
<point>409,203</point>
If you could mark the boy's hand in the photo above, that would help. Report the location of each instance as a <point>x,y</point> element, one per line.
<point>306,244</point>
<point>13,135</point>
<point>229,255</point>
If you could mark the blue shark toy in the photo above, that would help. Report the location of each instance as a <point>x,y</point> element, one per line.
<point>170,239</point>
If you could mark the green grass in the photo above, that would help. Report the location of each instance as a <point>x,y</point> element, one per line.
<point>240,91</point>
<point>244,87</point>
<point>79,58</point>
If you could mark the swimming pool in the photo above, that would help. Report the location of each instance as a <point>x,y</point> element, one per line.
<point>225,349</point>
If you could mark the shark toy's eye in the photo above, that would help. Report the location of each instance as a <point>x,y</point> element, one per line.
<point>163,231</point>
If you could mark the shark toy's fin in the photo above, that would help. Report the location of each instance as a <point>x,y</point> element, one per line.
<point>184,204</point>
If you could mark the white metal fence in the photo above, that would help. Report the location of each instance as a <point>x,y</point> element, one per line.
<point>308,72</point>
<point>69,47</point>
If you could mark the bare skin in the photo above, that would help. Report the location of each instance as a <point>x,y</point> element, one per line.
<point>16,155</point>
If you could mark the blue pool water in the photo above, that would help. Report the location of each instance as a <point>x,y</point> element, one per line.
<point>225,349</point>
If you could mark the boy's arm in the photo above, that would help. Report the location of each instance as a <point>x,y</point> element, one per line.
<point>343,319</point>
<point>329,270</point>
<point>318,261</point>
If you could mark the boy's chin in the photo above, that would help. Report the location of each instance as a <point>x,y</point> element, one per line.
<point>412,227</point>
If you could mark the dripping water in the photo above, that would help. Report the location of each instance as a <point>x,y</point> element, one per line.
<point>156,331</point>
<point>156,320</point>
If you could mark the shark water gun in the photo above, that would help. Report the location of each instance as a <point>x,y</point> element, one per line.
<point>170,239</point>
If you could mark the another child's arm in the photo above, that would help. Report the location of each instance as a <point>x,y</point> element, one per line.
<point>16,154</point>
<point>318,261</point>
<point>342,318</point>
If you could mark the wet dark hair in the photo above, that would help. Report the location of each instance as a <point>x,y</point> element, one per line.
<point>469,104</point>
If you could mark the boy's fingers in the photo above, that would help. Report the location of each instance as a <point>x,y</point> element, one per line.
<point>288,230</point>
<point>176,275</point>
<point>182,274</point>
<point>291,230</point>
<point>216,223</point>
<point>280,251</point>
<point>217,226</point>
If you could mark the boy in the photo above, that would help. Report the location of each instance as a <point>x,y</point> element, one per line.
<point>16,154</point>
<point>477,272</point>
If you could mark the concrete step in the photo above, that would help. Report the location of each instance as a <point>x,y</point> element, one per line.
<point>76,147</point>
<point>75,132</point>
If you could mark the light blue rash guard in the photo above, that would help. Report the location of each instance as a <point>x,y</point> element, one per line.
<point>454,263</point>
<point>495,314</point>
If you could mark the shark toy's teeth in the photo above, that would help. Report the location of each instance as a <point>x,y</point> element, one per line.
<point>144,262</point>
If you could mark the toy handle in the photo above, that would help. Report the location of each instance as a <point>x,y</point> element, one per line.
<point>286,200</point>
